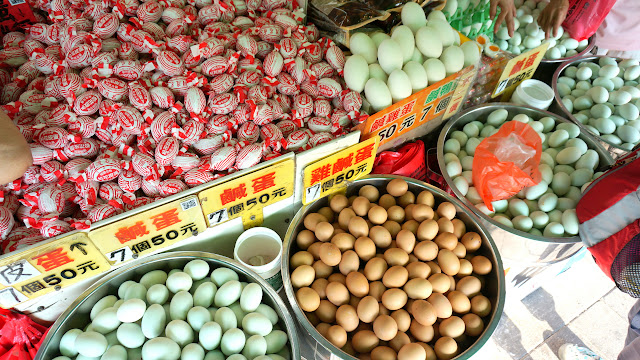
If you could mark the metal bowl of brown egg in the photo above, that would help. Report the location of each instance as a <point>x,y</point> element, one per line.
<point>393,268</point>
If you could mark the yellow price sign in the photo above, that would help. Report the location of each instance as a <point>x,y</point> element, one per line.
<point>332,174</point>
<point>150,230</point>
<point>459,94</point>
<point>517,70</point>
<point>247,195</point>
<point>49,267</point>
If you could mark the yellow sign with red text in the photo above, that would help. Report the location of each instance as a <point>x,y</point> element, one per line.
<point>247,195</point>
<point>332,174</point>
<point>49,267</point>
<point>149,231</point>
<point>412,112</point>
<point>459,94</point>
<point>517,70</point>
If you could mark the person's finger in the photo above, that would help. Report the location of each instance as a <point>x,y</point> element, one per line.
<point>510,25</point>
<point>556,27</point>
<point>493,9</point>
<point>500,19</point>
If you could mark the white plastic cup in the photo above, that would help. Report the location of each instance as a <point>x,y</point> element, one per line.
<point>534,93</point>
<point>260,249</point>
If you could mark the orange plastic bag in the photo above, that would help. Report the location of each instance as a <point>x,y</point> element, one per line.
<point>506,162</point>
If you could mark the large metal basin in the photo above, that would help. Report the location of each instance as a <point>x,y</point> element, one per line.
<point>77,315</point>
<point>558,107</point>
<point>318,347</point>
<point>515,246</point>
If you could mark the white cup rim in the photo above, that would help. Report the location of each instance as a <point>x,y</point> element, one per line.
<point>275,263</point>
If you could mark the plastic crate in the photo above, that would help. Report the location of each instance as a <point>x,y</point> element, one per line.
<point>476,17</point>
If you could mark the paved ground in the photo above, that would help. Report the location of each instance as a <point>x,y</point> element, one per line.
<point>580,306</point>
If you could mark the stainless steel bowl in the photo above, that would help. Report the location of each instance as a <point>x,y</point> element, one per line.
<point>613,149</point>
<point>320,348</point>
<point>77,315</point>
<point>517,246</point>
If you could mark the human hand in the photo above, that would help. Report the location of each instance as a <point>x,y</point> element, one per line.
<point>507,12</point>
<point>552,16</point>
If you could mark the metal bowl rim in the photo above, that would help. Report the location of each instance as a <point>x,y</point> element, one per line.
<point>309,328</point>
<point>499,105</point>
<point>168,256</point>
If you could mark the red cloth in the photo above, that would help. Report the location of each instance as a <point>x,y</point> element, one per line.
<point>20,337</point>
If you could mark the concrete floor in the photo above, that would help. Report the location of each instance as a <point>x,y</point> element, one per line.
<point>580,305</point>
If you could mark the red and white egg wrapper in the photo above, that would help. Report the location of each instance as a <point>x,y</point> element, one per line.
<point>154,97</point>
<point>195,177</point>
<point>7,222</point>
<point>171,187</point>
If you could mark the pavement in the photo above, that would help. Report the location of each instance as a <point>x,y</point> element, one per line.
<point>580,306</point>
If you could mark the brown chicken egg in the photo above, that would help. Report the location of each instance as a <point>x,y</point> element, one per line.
<point>385,327</point>
<point>397,187</point>
<point>375,269</point>
<point>422,212</point>
<point>427,230</point>
<point>460,303</point>
<point>308,299</point>
<point>412,351</point>
<point>344,217</point>
<point>301,258</point>
<point>358,227</point>
<point>349,262</point>
<point>481,265</point>
<point>324,231</point>
<point>337,293</point>
<point>472,241</point>
<point>396,213</point>
<point>347,317</point>
<point>370,192</point>
<point>418,288</point>
<point>418,270</point>
<point>387,201</point>
<point>311,220</point>
<point>357,284</point>
<point>302,276</point>
<point>337,336</point>
<point>380,236</point>
<point>395,277</point>
<point>305,238</point>
<point>338,202</point>
<point>473,324</point>
<point>330,254</point>
<point>446,348</point>
<point>426,250</point>
<point>364,341</point>
<point>320,286</point>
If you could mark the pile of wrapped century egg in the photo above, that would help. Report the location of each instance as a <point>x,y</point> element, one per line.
<point>419,53</point>
<point>604,95</point>
<point>127,102</point>
<point>567,167</point>
<point>528,34</point>
<point>186,314</point>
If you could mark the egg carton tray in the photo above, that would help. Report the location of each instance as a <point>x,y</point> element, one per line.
<point>473,16</point>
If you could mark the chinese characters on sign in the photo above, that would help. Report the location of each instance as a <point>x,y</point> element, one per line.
<point>460,93</point>
<point>149,231</point>
<point>247,195</point>
<point>329,175</point>
<point>408,114</point>
<point>47,268</point>
<point>518,69</point>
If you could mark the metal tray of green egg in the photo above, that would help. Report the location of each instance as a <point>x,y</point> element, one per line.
<point>602,95</point>
<point>104,327</point>
<point>531,228</point>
